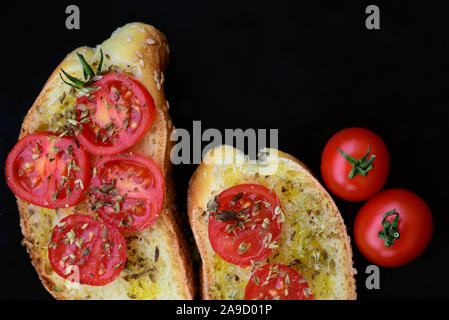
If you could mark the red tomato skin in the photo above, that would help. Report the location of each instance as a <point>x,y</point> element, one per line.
<point>261,292</point>
<point>335,168</point>
<point>39,199</point>
<point>415,228</point>
<point>96,256</point>
<point>146,122</point>
<point>157,194</point>
<point>225,247</point>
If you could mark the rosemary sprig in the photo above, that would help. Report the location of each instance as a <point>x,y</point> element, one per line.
<point>88,73</point>
<point>87,70</point>
<point>100,64</point>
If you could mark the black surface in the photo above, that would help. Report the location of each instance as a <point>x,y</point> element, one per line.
<point>307,70</point>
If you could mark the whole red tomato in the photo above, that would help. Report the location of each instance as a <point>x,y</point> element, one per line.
<point>393,228</point>
<point>355,164</point>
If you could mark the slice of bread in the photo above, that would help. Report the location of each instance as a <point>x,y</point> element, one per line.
<point>313,240</point>
<point>158,264</point>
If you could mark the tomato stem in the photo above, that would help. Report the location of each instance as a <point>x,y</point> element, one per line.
<point>359,166</point>
<point>390,231</point>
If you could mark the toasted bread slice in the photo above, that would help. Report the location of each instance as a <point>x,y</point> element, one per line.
<point>158,264</point>
<point>313,240</point>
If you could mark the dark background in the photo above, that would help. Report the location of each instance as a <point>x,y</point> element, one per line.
<point>306,70</point>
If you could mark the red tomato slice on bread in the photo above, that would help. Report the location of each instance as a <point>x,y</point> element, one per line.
<point>127,191</point>
<point>244,223</point>
<point>115,116</point>
<point>48,171</point>
<point>277,282</point>
<point>85,250</point>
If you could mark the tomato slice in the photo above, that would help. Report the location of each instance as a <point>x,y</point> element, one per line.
<point>85,250</point>
<point>115,116</point>
<point>48,171</point>
<point>244,223</point>
<point>127,191</point>
<point>277,282</point>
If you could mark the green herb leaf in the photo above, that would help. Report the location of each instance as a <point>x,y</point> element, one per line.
<point>78,84</point>
<point>213,205</point>
<point>228,215</point>
<point>100,64</point>
<point>87,70</point>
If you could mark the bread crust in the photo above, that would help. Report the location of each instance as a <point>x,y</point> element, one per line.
<point>152,58</point>
<point>198,186</point>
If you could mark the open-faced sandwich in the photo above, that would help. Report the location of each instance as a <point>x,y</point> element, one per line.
<point>267,230</point>
<point>92,175</point>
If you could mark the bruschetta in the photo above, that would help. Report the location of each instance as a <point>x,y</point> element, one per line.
<point>267,230</point>
<point>92,175</point>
